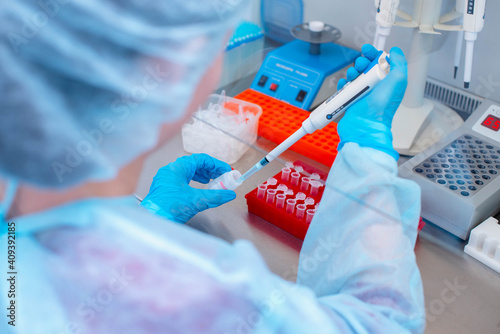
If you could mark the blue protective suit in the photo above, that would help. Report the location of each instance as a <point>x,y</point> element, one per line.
<point>109,266</point>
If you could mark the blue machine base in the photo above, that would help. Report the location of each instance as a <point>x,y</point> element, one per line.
<point>291,74</point>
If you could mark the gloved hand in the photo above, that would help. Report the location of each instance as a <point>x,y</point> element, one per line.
<point>368,121</point>
<point>170,195</point>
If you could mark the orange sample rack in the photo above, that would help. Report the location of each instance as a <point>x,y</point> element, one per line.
<point>280,119</point>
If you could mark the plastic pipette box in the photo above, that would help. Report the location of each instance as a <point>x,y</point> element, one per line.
<point>280,119</point>
<point>218,137</point>
<point>279,217</point>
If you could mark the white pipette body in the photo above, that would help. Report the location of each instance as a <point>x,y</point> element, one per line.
<point>474,14</point>
<point>331,109</point>
<point>336,105</point>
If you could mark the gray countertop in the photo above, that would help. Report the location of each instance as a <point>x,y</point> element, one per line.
<point>461,294</point>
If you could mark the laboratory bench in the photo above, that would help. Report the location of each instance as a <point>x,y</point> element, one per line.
<point>461,294</point>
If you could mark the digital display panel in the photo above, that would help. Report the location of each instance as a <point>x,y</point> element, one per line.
<point>491,122</point>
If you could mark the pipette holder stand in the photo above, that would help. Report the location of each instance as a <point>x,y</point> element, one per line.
<point>415,113</point>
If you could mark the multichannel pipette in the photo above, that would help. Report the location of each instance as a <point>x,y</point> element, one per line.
<point>331,109</point>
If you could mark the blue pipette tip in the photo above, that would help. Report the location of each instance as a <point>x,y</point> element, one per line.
<point>466,84</point>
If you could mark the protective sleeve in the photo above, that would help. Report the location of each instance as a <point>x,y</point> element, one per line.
<point>358,253</point>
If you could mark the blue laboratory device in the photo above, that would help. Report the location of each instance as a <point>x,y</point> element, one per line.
<point>304,73</point>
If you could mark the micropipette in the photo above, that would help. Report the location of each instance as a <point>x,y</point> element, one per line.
<point>386,16</point>
<point>458,52</point>
<point>331,109</point>
<point>473,23</point>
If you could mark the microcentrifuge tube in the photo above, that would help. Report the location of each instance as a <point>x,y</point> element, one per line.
<point>315,176</point>
<point>290,205</point>
<point>285,174</point>
<point>272,181</point>
<point>301,209</point>
<point>309,201</point>
<point>289,192</point>
<point>261,190</point>
<point>227,181</point>
<point>300,196</point>
<point>315,185</point>
<point>280,201</point>
<point>295,178</point>
<point>282,187</point>
<point>271,193</point>
<point>304,183</point>
<point>299,169</point>
<point>309,215</point>
<point>289,164</point>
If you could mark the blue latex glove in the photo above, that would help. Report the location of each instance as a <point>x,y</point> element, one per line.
<point>170,195</point>
<point>368,122</point>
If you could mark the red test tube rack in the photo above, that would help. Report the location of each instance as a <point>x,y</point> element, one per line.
<point>290,213</point>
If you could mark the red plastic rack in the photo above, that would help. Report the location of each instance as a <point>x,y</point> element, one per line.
<point>279,217</point>
<point>280,119</point>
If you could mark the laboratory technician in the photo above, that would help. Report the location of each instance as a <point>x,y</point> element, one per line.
<point>88,89</point>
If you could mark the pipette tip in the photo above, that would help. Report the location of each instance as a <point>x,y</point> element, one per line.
<point>249,173</point>
<point>253,170</point>
<point>466,84</point>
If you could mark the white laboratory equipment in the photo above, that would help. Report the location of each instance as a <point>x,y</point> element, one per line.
<point>484,243</point>
<point>417,116</point>
<point>331,109</point>
<point>459,175</point>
